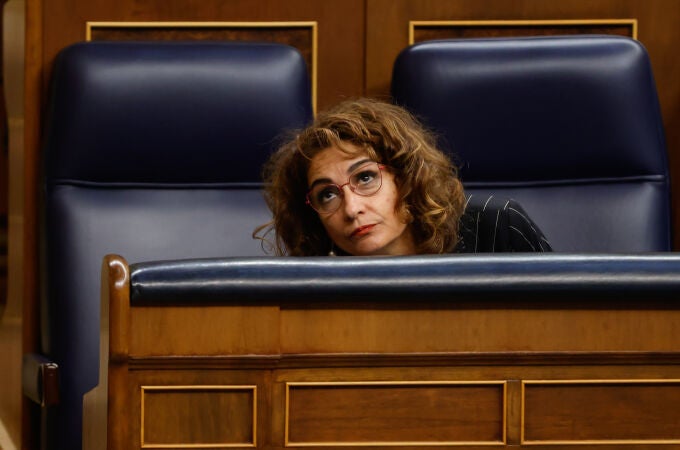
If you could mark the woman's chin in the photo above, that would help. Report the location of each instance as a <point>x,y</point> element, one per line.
<point>367,249</point>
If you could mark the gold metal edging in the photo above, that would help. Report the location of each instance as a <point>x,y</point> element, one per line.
<point>288,443</point>
<point>252,388</point>
<point>512,23</point>
<point>90,25</point>
<point>523,441</point>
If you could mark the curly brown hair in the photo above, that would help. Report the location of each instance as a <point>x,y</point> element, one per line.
<point>431,195</point>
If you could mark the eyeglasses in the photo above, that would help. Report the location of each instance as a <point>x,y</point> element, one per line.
<point>364,181</point>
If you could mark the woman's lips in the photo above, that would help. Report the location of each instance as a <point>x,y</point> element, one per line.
<point>362,230</point>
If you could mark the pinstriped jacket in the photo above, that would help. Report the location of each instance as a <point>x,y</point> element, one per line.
<point>497,224</point>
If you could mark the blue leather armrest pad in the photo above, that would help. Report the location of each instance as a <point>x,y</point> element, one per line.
<point>415,278</point>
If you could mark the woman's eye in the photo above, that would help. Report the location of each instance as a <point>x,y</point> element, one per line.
<point>364,177</point>
<point>326,194</point>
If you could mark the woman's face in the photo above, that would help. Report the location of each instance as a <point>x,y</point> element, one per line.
<point>362,225</point>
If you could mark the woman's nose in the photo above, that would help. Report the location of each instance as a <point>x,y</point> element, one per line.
<point>352,203</point>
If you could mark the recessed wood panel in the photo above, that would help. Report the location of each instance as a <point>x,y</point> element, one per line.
<point>571,412</point>
<point>425,30</point>
<point>394,413</point>
<point>198,416</point>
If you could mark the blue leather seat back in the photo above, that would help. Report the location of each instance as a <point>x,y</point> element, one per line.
<point>153,151</point>
<point>570,126</point>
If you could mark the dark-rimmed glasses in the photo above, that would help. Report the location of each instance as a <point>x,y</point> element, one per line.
<point>366,180</point>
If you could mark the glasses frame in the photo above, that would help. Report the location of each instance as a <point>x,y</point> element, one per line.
<point>340,187</point>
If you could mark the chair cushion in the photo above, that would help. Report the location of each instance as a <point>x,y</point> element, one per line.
<point>168,112</point>
<point>569,126</point>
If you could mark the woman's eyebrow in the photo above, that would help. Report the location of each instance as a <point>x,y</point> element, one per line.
<point>320,181</point>
<point>358,164</point>
<point>350,169</point>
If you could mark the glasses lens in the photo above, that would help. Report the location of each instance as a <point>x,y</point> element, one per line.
<point>366,180</point>
<point>325,198</point>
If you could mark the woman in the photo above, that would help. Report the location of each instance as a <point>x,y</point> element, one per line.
<point>367,179</point>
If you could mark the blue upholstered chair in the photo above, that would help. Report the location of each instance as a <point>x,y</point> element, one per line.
<point>153,151</point>
<point>568,126</point>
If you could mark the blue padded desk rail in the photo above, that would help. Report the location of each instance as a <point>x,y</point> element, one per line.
<point>417,277</point>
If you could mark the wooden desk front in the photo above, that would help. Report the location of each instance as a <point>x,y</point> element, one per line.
<point>587,372</point>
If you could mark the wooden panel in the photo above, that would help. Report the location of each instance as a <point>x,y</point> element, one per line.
<point>301,35</point>
<point>4,169</point>
<point>425,30</point>
<point>10,378</point>
<point>198,416</point>
<point>11,204</point>
<point>448,384</point>
<point>471,328</point>
<point>616,412</point>
<point>177,330</point>
<point>191,406</point>
<point>394,413</point>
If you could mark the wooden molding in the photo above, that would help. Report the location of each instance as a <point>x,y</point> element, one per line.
<point>190,392</point>
<point>537,25</point>
<point>560,418</point>
<point>392,400</point>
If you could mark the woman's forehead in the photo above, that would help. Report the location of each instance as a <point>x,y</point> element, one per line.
<point>334,161</point>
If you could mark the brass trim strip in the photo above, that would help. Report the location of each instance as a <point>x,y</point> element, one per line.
<point>395,383</point>
<point>523,441</point>
<point>252,388</point>
<point>289,384</point>
<point>607,381</point>
<point>512,23</point>
<point>90,25</point>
